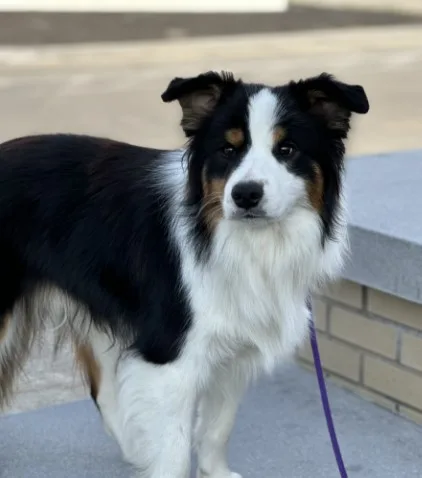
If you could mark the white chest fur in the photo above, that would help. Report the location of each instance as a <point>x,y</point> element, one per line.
<point>251,294</point>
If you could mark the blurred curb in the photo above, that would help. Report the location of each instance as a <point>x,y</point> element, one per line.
<point>241,47</point>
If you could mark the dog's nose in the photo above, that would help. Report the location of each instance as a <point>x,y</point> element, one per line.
<point>247,195</point>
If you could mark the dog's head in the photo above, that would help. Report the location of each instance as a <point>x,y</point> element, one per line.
<point>256,152</point>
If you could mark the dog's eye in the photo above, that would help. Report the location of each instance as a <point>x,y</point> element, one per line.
<point>228,151</point>
<point>287,150</point>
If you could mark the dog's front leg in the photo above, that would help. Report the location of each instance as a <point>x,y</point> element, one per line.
<point>156,405</point>
<point>216,417</point>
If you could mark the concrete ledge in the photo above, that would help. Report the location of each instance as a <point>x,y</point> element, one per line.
<point>385,197</point>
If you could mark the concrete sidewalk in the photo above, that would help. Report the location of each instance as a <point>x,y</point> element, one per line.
<point>118,95</point>
<point>280,432</point>
<point>294,47</point>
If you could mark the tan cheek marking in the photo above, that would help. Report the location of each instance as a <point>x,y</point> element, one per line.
<point>315,189</point>
<point>279,134</point>
<point>4,327</point>
<point>90,367</point>
<point>213,200</point>
<point>235,137</point>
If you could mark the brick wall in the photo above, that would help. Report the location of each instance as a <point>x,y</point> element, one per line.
<point>371,343</point>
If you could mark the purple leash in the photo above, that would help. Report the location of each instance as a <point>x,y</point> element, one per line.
<point>324,395</point>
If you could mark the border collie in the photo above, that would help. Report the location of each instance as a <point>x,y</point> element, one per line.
<point>178,275</point>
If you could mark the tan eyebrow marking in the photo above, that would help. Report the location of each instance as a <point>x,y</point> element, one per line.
<point>279,134</point>
<point>235,137</point>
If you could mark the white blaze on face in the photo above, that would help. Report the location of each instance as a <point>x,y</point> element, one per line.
<point>282,189</point>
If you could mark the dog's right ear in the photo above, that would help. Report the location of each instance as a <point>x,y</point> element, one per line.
<point>330,100</point>
<point>198,96</point>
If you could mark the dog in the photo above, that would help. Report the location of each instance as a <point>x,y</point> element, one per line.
<point>179,276</point>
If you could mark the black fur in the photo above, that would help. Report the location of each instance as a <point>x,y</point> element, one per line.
<point>81,213</point>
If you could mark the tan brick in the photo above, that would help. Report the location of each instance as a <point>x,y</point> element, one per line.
<point>366,333</point>
<point>411,351</point>
<point>410,414</point>
<point>304,352</point>
<point>402,385</point>
<point>378,399</point>
<point>336,357</point>
<point>368,395</point>
<point>393,308</point>
<point>320,313</point>
<point>347,292</point>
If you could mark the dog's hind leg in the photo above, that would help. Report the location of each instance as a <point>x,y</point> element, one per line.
<point>97,356</point>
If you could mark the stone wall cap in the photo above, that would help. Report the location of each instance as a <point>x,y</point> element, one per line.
<point>385,207</point>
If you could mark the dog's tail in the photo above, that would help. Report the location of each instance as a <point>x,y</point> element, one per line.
<point>17,335</point>
<point>43,310</point>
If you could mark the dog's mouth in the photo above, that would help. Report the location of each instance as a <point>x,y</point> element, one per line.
<point>252,215</point>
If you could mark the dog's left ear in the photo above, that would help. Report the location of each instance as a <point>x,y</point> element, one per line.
<point>198,96</point>
<point>330,100</point>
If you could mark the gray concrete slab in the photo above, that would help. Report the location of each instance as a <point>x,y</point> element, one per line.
<point>385,194</point>
<point>280,432</point>
<point>386,234</point>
